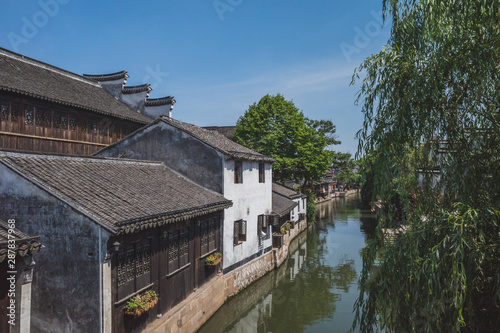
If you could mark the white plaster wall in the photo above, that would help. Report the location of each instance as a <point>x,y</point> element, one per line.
<point>250,199</point>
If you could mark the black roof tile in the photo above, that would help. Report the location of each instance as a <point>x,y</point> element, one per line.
<point>219,141</point>
<point>121,195</point>
<point>36,79</point>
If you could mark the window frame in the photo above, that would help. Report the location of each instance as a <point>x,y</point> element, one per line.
<point>128,254</point>
<point>262,172</point>
<point>238,172</point>
<point>240,232</point>
<point>263,226</point>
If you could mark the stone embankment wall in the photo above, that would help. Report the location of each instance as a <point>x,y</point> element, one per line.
<point>335,195</point>
<point>194,311</point>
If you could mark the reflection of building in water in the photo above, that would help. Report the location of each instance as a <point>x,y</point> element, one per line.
<point>297,260</point>
<point>255,319</point>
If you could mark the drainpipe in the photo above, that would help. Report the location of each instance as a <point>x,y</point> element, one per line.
<point>100,281</point>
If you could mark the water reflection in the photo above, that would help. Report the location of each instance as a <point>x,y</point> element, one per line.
<point>315,289</point>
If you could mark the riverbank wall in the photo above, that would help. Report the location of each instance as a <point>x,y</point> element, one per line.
<point>339,194</point>
<point>190,314</point>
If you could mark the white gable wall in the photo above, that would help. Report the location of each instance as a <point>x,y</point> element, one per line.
<point>250,199</point>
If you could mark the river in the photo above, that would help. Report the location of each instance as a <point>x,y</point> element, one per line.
<point>315,289</point>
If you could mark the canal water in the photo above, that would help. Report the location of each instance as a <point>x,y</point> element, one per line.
<point>315,289</point>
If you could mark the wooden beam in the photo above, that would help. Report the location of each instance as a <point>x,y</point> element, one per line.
<point>54,139</point>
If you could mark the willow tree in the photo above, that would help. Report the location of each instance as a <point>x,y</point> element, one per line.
<point>434,90</point>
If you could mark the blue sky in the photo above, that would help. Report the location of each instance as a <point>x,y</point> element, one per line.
<point>216,57</point>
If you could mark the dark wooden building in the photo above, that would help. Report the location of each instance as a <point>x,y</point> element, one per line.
<point>47,109</point>
<point>113,229</point>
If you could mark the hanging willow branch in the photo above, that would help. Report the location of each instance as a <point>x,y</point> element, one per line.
<point>431,102</point>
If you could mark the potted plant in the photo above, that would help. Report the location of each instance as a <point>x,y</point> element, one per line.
<point>287,226</point>
<point>141,303</point>
<point>282,230</point>
<point>213,259</point>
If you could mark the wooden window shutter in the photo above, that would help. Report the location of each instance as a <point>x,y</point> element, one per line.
<point>211,236</point>
<point>243,230</point>
<point>236,232</point>
<point>184,247</point>
<point>260,223</point>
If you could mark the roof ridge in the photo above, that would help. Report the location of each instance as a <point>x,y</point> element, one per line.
<point>41,64</point>
<point>212,132</point>
<point>160,101</point>
<point>136,89</point>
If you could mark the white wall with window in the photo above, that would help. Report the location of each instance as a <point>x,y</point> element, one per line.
<point>248,184</point>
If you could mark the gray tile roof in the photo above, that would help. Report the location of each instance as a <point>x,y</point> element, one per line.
<point>33,78</point>
<point>282,205</point>
<point>23,244</point>
<point>219,141</point>
<point>121,195</point>
<point>286,191</point>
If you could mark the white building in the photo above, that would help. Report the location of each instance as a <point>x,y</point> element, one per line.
<point>218,164</point>
<point>298,213</point>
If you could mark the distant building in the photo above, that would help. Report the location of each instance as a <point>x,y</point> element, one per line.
<point>113,229</point>
<point>298,213</point>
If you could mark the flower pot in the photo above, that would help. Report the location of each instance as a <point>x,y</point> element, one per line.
<point>213,263</point>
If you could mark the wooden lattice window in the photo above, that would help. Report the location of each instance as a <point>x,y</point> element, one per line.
<point>238,172</point>
<point>47,119</point>
<point>39,113</point>
<point>5,111</point>
<point>240,231</point>
<point>102,128</point>
<point>204,236</point>
<point>29,114</point>
<point>211,235</point>
<point>173,250</point>
<point>122,268</point>
<point>83,126</point>
<point>178,249</point>
<point>56,121</point>
<point>262,173</point>
<point>64,121</point>
<point>184,247</point>
<point>14,112</point>
<point>134,267</point>
<point>72,123</point>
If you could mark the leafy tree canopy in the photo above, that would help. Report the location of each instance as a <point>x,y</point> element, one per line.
<point>276,127</point>
<point>431,104</point>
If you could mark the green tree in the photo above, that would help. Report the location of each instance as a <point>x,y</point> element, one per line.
<point>276,127</point>
<point>431,104</point>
